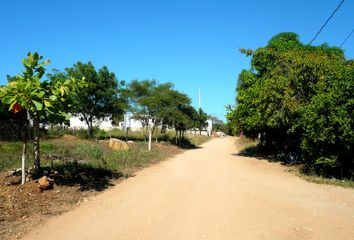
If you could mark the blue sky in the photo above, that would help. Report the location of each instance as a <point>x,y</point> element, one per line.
<point>193,44</point>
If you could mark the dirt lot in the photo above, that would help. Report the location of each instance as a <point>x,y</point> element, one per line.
<point>22,207</point>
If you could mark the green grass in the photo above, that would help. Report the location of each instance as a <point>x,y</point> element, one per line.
<point>198,140</point>
<point>346,183</point>
<point>59,151</point>
<point>10,154</point>
<point>168,136</point>
<point>243,143</point>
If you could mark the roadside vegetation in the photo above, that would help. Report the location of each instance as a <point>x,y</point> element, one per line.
<point>252,148</point>
<point>35,108</point>
<point>80,167</point>
<point>59,147</point>
<point>36,99</point>
<point>300,97</point>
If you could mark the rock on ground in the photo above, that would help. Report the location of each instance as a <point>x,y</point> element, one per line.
<point>45,183</point>
<point>117,144</point>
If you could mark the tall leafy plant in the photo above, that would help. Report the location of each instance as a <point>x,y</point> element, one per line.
<point>40,98</point>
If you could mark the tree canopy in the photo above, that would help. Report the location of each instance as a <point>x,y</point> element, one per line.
<point>100,98</point>
<point>39,98</point>
<point>301,92</point>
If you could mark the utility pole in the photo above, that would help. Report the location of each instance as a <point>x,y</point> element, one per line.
<point>200,99</point>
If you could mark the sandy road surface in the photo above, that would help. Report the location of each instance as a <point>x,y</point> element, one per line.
<point>210,193</point>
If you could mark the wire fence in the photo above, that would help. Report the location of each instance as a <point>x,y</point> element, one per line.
<point>13,134</point>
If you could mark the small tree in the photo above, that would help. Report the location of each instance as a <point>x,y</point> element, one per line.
<point>201,120</point>
<point>101,96</point>
<point>179,114</point>
<point>149,101</point>
<point>39,98</point>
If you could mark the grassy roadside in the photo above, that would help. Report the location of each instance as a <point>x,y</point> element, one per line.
<point>80,168</point>
<point>346,183</point>
<point>244,144</point>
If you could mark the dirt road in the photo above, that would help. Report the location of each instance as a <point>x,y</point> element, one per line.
<point>210,193</point>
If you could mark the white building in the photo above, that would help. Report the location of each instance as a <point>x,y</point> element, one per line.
<point>129,121</point>
<point>77,123</point>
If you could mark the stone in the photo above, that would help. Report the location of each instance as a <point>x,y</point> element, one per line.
<point>130,142</point>
<point>117,144</point>
<point>45,183</point>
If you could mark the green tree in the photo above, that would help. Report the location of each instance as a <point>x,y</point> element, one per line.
<point>300,92</point>
<point>201,120</point>
<point>149,102</point>
<point>179,114</point>
<point>100,98</point>
<point>40,98</point>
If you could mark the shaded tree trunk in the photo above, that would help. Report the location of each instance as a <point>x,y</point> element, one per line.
<point>153,131</point>
<point>89,123</point>
<point>149,129</point>
<point>37,160</point>
<point>24,148</point>
<point>126,134</point>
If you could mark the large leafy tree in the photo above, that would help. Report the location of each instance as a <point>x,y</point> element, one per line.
<point>39,98</point>
<point>100,98</point>
<point>297,91</point>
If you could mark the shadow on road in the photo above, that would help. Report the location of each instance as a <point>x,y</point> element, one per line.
<point>261,153</point>
<point>258,153</point>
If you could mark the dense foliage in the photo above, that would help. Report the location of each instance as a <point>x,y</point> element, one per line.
<point>299,93</point>
<point>100,98</point>
<point>159,104</point>
<point>39,99</point>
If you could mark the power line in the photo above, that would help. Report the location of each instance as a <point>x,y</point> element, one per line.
<point>345,40</point>
<point>327,21</point>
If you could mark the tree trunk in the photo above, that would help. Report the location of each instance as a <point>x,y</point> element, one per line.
<point>126,134</point>
<point>23,163</point>
<point>180,137</point>
<point>90,127</point>
<point>149,138</point>
<point>176,141</point>
<point>144,131</point>
<point>88,121</point>
<point>24,148</point>
<point>153,130</point>
<point>37,160</point>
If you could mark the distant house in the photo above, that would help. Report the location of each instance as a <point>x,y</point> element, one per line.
<point>78,123</point>
<point>129,121</point>
<point>106,123</point>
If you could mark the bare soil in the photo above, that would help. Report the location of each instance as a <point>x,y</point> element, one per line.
<point>24,207</point>
<point>209,193</point>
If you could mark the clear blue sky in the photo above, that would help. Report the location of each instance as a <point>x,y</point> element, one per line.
<point>193,44</point>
